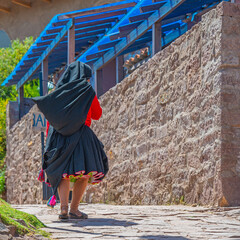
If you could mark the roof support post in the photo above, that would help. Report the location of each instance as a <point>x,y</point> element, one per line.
<point>156,37</point>
<point>21,101</point>
<point>45,76</point>
<point>71,43</point>
<point>119,68</point>
<point>98,79</point>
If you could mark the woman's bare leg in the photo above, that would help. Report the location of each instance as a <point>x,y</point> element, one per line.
<point>77,194</point>
<point>63,192</point>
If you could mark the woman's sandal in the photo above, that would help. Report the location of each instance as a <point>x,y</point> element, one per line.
<point>64,212</point>
<point>78,215</point>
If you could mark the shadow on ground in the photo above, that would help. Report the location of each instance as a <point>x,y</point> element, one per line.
<point>99,222</point>
<point>162,237</point>
<point>76,225</point>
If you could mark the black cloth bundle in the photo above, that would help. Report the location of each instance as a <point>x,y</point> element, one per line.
<point>67,106</point>
<point>71,146</point>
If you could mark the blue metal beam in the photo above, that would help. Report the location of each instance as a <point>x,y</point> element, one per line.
<point>84,24</point>
<point>113,30</point>
<point>138,32</point>
<point>49,49</point>
<point>93,17</point>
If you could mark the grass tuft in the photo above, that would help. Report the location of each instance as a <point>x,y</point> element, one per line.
<point>25,223</point>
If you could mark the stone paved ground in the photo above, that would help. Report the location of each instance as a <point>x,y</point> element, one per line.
<point>142,222</point>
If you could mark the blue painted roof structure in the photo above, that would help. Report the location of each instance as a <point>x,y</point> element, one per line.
<point>104,32</point>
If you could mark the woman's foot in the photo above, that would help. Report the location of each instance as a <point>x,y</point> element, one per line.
<point>76,214</point>
<point>64,212</point>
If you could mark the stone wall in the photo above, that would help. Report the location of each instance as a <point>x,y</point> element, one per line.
<point>170,129</point>
<point>23,162</point>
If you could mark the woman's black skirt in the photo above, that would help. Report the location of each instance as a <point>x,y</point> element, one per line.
<point>79,155</point>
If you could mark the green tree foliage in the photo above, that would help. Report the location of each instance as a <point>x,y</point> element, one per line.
<point>9,58</point>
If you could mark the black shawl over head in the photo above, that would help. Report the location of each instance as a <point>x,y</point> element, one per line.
<point>66,108</point>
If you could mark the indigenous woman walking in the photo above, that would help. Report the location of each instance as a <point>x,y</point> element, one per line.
<point>73,152</point>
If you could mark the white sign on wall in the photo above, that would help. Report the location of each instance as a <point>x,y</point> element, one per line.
<point>39,122</point>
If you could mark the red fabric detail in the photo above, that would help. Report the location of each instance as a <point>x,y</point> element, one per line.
<point>47,128</point>
<point>95,112</point>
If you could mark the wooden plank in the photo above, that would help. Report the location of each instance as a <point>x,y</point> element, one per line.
<point>44,43</point>
<point>48,50</point>
<point>39,49</point>
<point>54,30</point>
<point>30,60</point>
<point>21,101</point>
<point>95,55</point>
<point>84,34</point>
<point>94,28</point>
<point>90,33</point>
<point>37,54</point>
<point>108,45</point>
<point>5,9</point>
<point>26,65</point>
<point>101,9</point>
<point>45,76</point>
<point>140,17</point>
<point>87,25</point>
<point>48,1</point>
<point>156,37</point>
<point>97,22</point>
<point>71,44</point>
<point>129,27</point>
<point>124,30</point>
<point>164,28</point>
<point>22,3</point>
<point>152,7</point>
<point>93,17</point>
<point>124,43</point>
<point>19,71</point>
<point>80,41</point>
<point>49,36</point>
<point>119,68</point>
